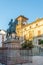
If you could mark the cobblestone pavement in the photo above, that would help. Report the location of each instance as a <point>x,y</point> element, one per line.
<point>36,60</point>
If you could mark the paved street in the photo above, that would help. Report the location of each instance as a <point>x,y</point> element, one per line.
<point>36,60</point>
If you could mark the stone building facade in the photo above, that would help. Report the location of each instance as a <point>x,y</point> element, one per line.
<point>30,31</point>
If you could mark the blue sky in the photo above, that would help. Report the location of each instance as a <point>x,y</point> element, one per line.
<point>32,9</point>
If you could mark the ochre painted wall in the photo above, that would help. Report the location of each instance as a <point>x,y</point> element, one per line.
<point>31,30</point>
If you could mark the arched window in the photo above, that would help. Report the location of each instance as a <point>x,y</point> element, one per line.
<point>36,24</point>
<point>30,34</point>
<point>39,41</point>
<point>2,38</point>
<point>30,26</point>
<point>39,32</point>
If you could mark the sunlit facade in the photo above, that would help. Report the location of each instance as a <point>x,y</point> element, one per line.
<point>29,30</point>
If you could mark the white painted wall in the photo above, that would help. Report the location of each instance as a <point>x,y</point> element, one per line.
<point>35,40</point>
<point>2,33</point>
<point>0,40</point>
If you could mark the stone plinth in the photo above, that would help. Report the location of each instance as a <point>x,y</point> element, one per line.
<point>15,55</point>
<point>12,43</point>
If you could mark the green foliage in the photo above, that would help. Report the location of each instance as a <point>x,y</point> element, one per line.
<point>41,41</point>
<point>24,45</point>
<point>27,44</point>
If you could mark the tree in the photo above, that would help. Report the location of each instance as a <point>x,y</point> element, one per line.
<point>27,44</point>
<point>41,41</point>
